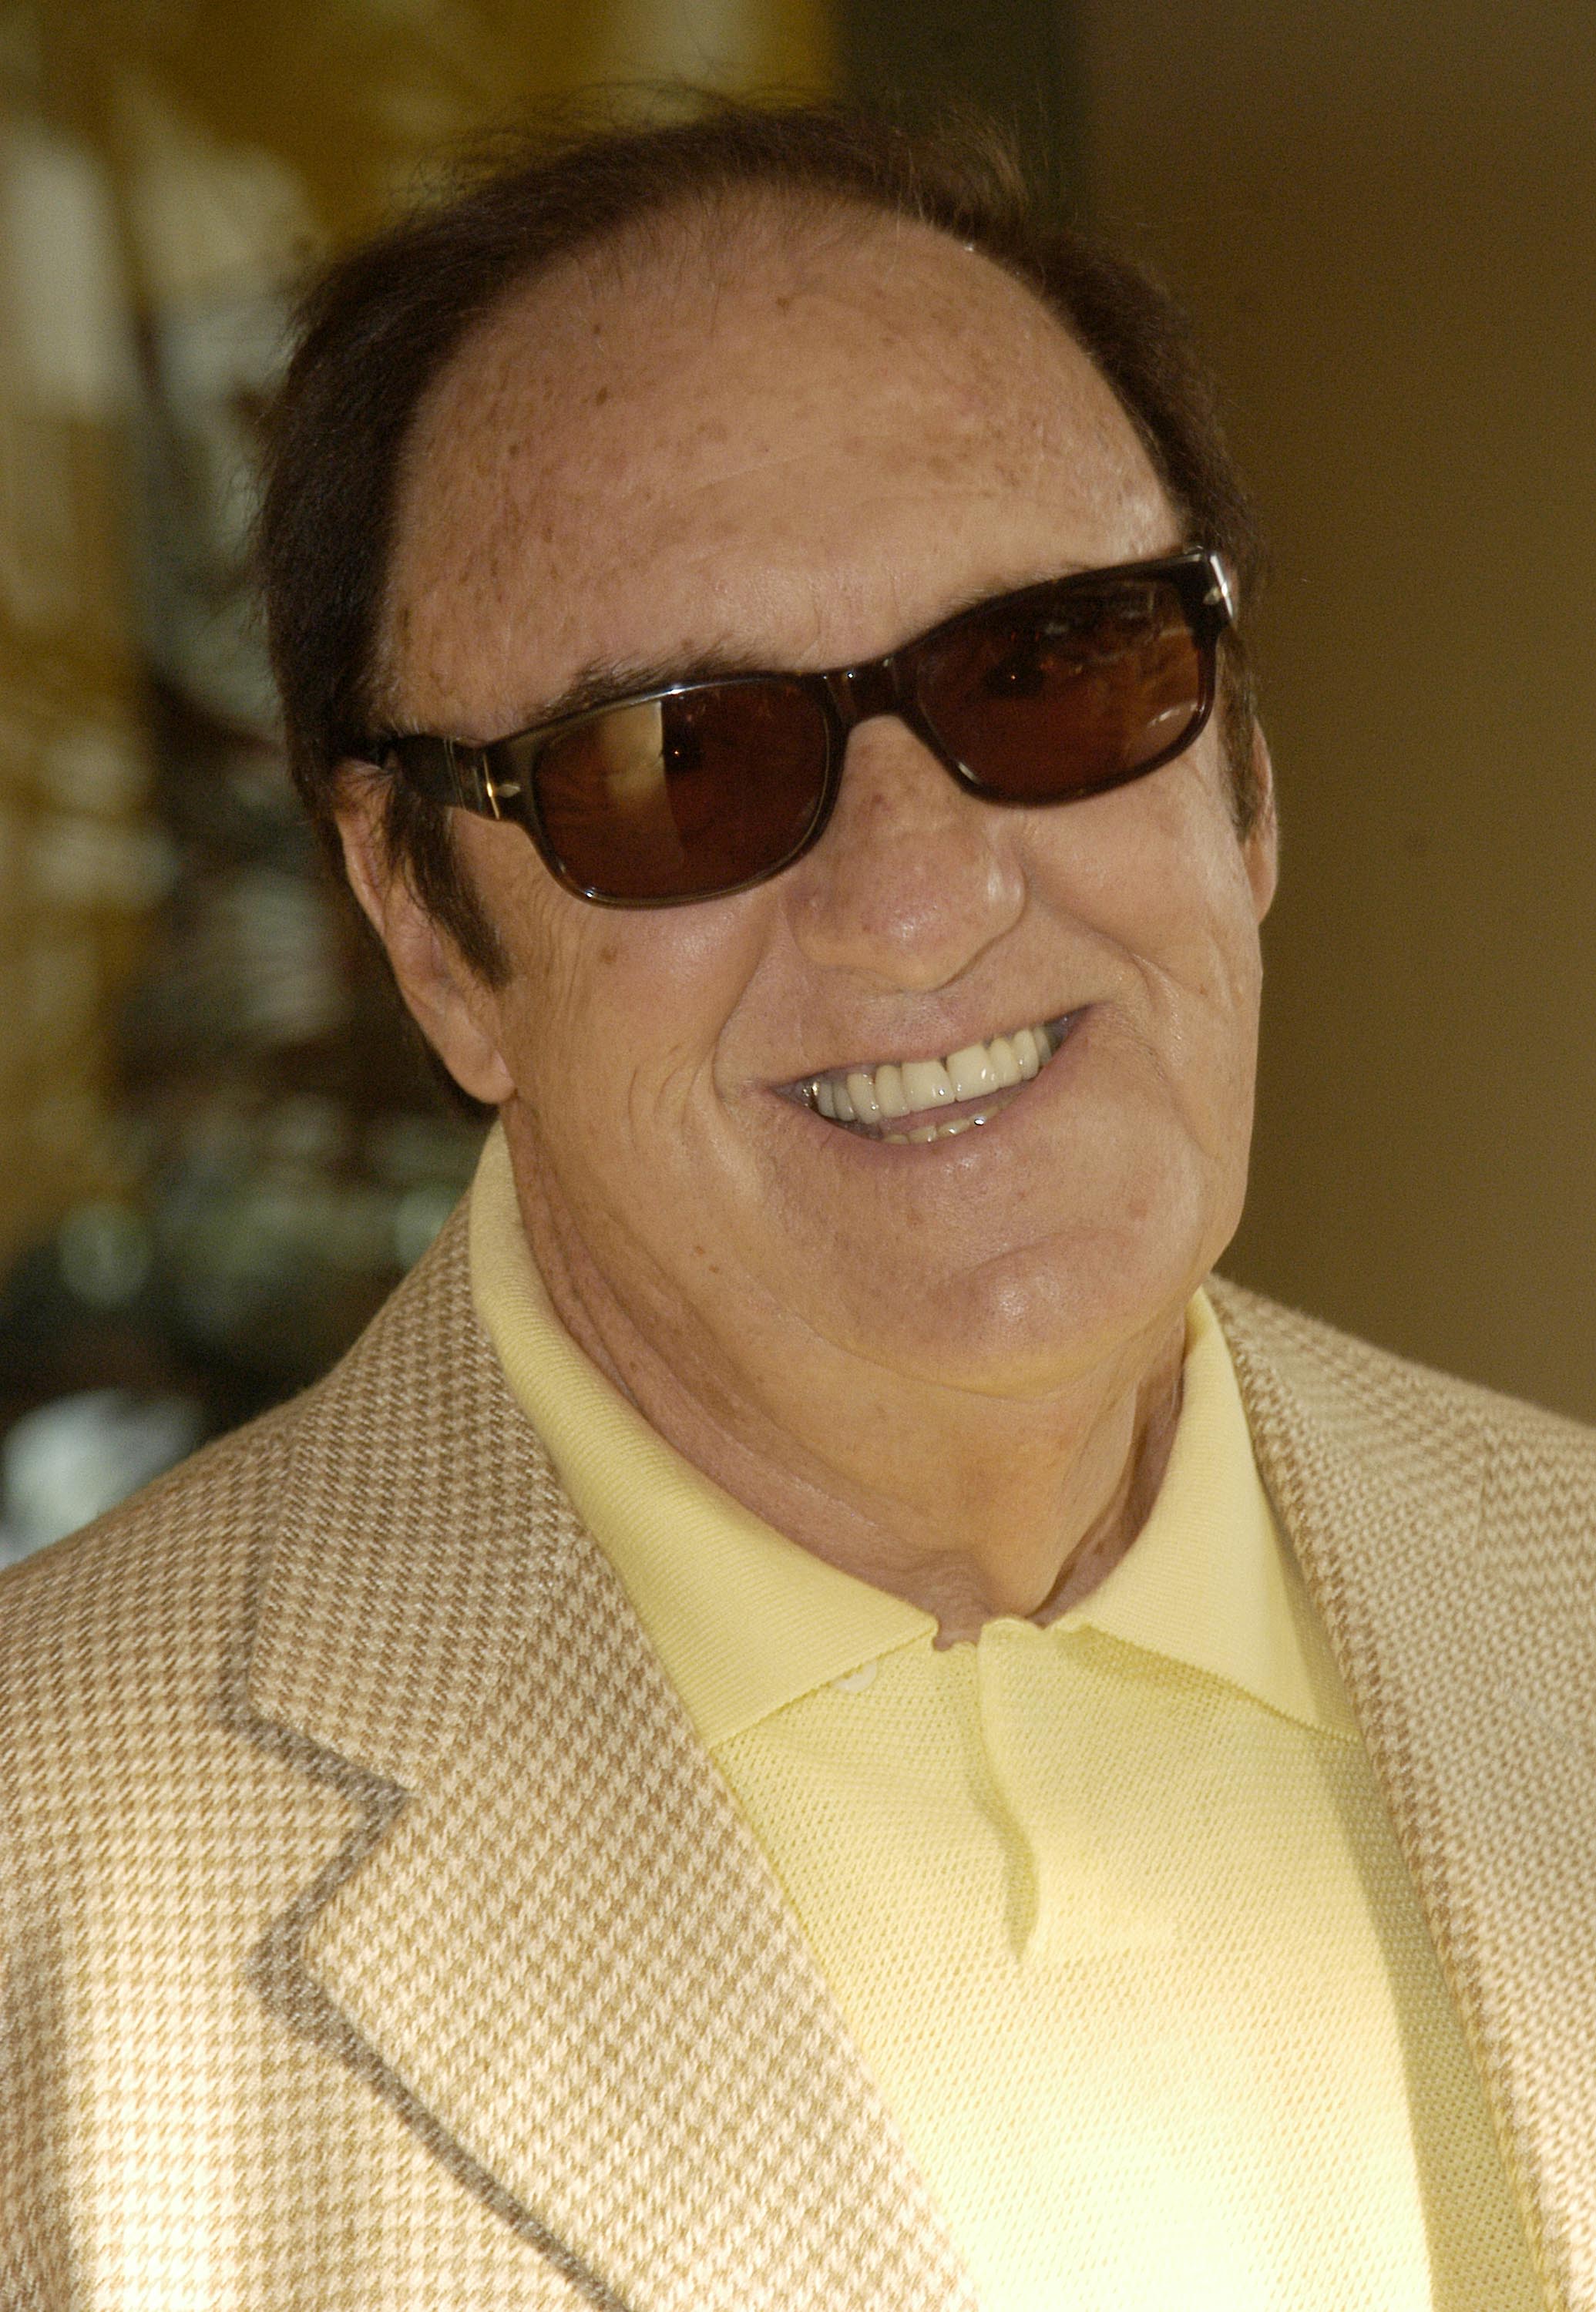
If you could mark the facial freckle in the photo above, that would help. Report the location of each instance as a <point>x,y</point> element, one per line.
<point>601,396</point>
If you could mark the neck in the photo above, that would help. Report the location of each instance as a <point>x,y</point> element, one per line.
<point>968,1505</point>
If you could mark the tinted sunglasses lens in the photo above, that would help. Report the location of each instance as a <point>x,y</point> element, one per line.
<point>684,797</point>
<point>1066,693</point>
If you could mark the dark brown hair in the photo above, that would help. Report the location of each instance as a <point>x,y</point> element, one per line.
<point>385,320</point>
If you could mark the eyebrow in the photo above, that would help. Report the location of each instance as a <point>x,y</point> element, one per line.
<point>613,682</point>
<point>618,682</point>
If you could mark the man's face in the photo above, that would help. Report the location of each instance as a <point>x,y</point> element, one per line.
<point>805,442</point>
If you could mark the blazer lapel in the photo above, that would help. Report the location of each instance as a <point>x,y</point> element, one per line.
<point>1435,1556</point>
<point>550,1941</point>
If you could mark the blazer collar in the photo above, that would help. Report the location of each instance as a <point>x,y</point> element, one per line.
<point>549,1941</point>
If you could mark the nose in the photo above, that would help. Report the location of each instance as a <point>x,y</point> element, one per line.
<point>915,878</point>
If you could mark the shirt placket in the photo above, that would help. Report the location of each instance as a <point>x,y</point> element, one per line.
<point>1059,1740</point>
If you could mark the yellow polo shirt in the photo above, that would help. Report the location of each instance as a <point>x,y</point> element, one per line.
<point>1113,1908</point>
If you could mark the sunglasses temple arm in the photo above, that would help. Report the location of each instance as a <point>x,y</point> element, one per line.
<point>449,771</point>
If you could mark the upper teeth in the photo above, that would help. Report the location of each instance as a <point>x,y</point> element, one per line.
<point>894,1088</point>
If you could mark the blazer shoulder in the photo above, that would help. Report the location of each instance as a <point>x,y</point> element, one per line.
<point>1329,1362</point>
<point>142,1593</point>
<point>185,1539</point>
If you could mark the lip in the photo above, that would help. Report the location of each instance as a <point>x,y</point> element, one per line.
<point>992,1110</point>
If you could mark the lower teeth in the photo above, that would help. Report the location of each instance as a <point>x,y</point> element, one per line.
<point>924,1132</point>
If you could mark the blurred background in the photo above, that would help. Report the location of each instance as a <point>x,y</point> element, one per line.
<point>220,1146</point>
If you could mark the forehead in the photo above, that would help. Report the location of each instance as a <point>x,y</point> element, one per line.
<point>795,436</point>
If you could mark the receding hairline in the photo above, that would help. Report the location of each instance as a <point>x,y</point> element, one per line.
<point>705,223</point>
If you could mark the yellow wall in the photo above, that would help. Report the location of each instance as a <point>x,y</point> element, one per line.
<point>1385,220</point>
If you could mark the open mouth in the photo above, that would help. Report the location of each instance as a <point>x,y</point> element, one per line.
<point>923,1101</point>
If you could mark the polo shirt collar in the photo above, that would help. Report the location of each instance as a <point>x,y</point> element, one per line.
<point>746,1621</point>
<point>1210,1579</point>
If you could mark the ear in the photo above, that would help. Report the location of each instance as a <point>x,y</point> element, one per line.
<point>453,1008</point>
<point>1260,848</point>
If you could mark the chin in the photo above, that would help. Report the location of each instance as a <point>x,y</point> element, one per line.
<point>1027,1324</point>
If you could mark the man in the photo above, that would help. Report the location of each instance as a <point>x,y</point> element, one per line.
<point>818,1715</point>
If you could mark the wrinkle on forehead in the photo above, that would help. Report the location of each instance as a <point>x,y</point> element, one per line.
<point>711,400</point>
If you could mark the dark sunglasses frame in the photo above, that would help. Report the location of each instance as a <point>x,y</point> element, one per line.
<point>498,779</point>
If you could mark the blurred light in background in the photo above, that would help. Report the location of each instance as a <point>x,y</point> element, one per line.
<point>220,1143</point>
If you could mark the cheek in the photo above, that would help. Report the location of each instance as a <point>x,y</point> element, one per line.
<point>1155,878</point>
<point>1154,869</point>
<point>613,1019</point>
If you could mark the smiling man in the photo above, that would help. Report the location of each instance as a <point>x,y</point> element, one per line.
<point>818,1715</point>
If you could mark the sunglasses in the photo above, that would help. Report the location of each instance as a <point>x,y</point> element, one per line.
<point>700,788</point>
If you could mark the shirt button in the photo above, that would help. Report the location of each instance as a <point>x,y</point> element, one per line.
<point>855,1681</point>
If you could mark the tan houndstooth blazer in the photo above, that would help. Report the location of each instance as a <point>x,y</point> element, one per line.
<point>378,1937</point>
